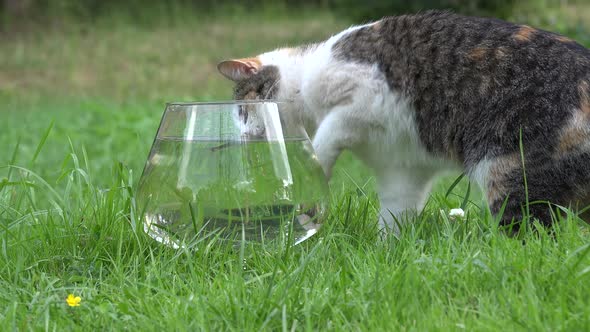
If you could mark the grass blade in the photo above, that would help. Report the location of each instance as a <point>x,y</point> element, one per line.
<point>41,143</point>
<point>13,158</point>
<point>526,188</point>
<point>466,199</point>
<point>454,184</point>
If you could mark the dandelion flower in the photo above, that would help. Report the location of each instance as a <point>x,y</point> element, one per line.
<point>457,213</point>
<point>73,301</point>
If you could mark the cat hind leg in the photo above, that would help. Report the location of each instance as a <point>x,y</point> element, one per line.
<point>562,180</point>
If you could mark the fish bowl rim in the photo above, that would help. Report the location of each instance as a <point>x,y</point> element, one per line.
<point>227,102</point>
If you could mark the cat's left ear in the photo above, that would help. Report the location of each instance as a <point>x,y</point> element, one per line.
<point>239,69</point>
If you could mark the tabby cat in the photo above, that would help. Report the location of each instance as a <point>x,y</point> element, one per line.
<point>416,95</point>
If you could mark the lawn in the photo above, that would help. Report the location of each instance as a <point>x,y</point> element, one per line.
<point>79,106</point>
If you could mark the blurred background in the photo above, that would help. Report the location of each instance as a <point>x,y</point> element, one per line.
<point>91,77</point>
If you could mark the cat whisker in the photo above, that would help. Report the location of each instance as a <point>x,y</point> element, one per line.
<point>271,88</point>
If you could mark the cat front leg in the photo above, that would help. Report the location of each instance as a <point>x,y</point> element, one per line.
<point>402,193</point>
<point>334,134</point>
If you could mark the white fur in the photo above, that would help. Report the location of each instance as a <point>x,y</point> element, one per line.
<point>348,105</point>
<point>480,172</point>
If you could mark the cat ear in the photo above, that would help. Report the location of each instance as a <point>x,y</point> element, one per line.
<point>239,69</point>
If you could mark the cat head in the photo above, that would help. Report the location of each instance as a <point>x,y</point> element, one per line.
<point>253,81</point>
<point>276,75</point>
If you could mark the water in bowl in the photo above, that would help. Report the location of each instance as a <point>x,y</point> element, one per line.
<point>250,190</point>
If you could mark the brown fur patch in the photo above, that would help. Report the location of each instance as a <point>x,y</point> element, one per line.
<point>584,91</point>
<point>524,33</point>
<point>571,138</point>
<point>564,39</point>
<point>498,173</point>
<point>478,53</point>
<point>577,132</point>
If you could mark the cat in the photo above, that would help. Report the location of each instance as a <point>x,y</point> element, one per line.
<point>416,95</point>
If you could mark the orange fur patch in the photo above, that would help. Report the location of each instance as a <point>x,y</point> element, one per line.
<point>524,33</point>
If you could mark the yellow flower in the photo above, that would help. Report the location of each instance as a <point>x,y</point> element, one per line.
<point>73,301</point>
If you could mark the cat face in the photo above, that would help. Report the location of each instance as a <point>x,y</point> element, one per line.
<point>253,82</point>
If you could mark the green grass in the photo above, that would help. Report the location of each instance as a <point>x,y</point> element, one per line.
<point>79,108</point>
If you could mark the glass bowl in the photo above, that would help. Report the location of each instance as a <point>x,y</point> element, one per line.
<point>237,171</point>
